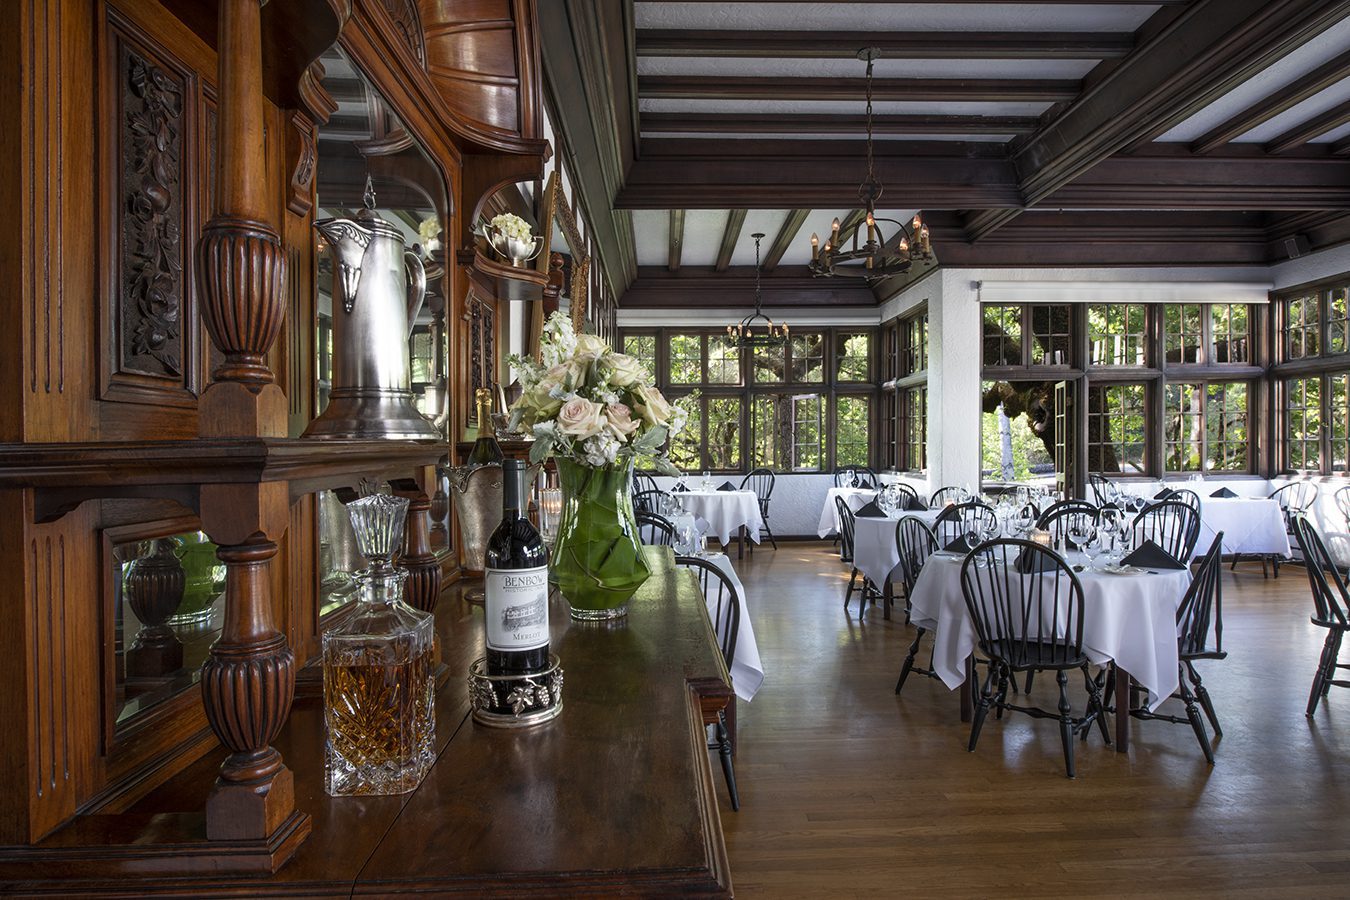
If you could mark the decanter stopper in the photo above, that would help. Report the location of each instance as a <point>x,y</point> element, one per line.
<point>377,521</point>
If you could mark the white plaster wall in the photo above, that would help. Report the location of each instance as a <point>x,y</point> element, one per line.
<point>1313,267</point>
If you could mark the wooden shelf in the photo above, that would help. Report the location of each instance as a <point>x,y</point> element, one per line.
<point>502,281</point>
<point>566,808</point>
<point>67,474</point>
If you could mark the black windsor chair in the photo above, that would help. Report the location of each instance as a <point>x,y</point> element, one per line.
<point>761,482</point>
<point>914,543</point>
<point>1331,608</point>
<point>1171,524</point>
<point>950,525</point>
<point>655,530</point>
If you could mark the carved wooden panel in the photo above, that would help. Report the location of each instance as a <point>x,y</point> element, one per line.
<point>150,136</point>
<point>150,342</point>
<point>408,21</point>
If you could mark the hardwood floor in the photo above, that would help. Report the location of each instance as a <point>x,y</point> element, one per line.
<point>848,790</point>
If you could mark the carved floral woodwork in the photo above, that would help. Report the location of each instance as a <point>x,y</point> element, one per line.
<point>151,297</point>
<point>409,24</point>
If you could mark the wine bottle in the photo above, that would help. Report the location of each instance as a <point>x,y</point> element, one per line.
<point>486,450</point>
<point>515,593</point>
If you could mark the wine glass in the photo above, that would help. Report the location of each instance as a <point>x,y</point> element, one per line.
<point>1083,532</point>
<point>707,480</point>
<point>1026,519</point>
<point>888,501</point>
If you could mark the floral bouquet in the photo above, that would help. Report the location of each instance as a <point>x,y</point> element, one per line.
<point>588,404</point>
<point>595,412</point>
<point>510,235</point>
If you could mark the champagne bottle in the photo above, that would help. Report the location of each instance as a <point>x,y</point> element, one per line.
<point>515,595</point>
<point>485,450</point>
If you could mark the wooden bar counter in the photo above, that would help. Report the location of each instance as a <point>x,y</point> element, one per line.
<point>615,795</point>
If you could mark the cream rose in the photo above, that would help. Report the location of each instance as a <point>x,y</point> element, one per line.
<point>654,407</point>
<point>591,344</point>
<point>619,418</point>
<point>581,418</point>
<point>623,369</point>
<point>536,403</point>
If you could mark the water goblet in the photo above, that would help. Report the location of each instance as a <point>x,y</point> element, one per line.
<point>1082,531</point>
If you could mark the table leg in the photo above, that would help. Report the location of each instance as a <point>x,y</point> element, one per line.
<point>740,543</point>
<point>886,598</point>
<point>967,702</point>
<point>1123,700</point>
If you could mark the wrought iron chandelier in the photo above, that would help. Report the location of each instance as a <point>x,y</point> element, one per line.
<point>880,256</point>
<point>757,329</point>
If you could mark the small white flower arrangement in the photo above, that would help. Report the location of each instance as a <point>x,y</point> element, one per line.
<point>512,226</point>
<point>586,403</point>
<point>429,233</point>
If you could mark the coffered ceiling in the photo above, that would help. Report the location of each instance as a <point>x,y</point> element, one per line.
<point>1052,133</point>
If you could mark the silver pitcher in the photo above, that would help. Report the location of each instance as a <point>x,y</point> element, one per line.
<point>378,288</point>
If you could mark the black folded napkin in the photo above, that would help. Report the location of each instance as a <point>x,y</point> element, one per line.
<point>1223,492</point>
<point>1163,494</point>
<point>870,510</point>
<point>914,504</point>
<point>1030,561</point>
<point>960,545</point>
<point>1150,556</point>
<point>727,486</point>
<point>679,489</point>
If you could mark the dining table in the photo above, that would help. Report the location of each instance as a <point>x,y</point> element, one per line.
<point>1250,525</point>
<point>747,670</point>
<point>1127,618</point>
<point>856,498</point>
<point>875,553</point>
<point>724,513</point>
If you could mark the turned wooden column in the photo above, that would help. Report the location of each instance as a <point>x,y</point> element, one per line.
<point>247,686</point>
<point>241,265</point>
<point>424,569</point>
<point>248,681</point>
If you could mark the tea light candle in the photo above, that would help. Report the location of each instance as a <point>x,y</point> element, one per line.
<point>1042,537</point>
<point>550,512</point>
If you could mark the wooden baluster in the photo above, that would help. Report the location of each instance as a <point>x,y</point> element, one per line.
<point>247,686</point>
<point>424,569</point>
<point>154,589</point>
<point>241,265</point>
<point>249,680</point>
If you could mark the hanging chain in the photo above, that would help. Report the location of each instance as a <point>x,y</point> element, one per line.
<point>757,293</point>
<point>871,169</point>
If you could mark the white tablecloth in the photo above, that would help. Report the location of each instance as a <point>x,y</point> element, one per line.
<point>747,672</point>
<point>1129,619</point>
<point>874,550</point>
<point>725,512</point>
<point>1249,525</point>
<point>856,498</point>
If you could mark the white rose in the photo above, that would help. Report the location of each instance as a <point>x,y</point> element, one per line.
<point>624,369</point>
<point>654,407</point>
<point>581,418</point>
<point>619,418</point>
<point>592,344</point>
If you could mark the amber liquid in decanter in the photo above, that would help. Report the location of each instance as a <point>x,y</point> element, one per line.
<point>378,676</point>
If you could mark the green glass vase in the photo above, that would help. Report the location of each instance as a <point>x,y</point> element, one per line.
<point>597,563</point>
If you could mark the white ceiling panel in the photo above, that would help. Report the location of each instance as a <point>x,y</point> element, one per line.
<point>823,107</point>
<point>1311,108</point>
<point>768,221</point>
<point>651,234</point>
<point>880,139</point>
<point>1332,136</point>
<point>1068,69</point>
<point>1321,49</point>
<point>703,236</point>
<point>892,16</point>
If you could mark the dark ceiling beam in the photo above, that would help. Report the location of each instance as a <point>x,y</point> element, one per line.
<point>989,90</point>
<point>787,233</point>
<point>981,2</point>
<point>733,123</point>
<point>1159,180</point>
<point>732,231</point>
<point>1306,232</point>
<point>1285,98</point>
<point>1341,147</point>
<point>1210,48</point>
<point>676,239</point>
<point>1313,128</point>
<point>704,288</point>
<point>893,45</point>
<point>1096,238</point>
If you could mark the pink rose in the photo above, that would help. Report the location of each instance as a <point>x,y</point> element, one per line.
<point>620,420</point>
<point>581,418</point>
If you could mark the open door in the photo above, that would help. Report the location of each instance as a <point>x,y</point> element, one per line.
<point>1066,472</point>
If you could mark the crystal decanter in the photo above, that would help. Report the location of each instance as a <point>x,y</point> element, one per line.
<point>378,665</point>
